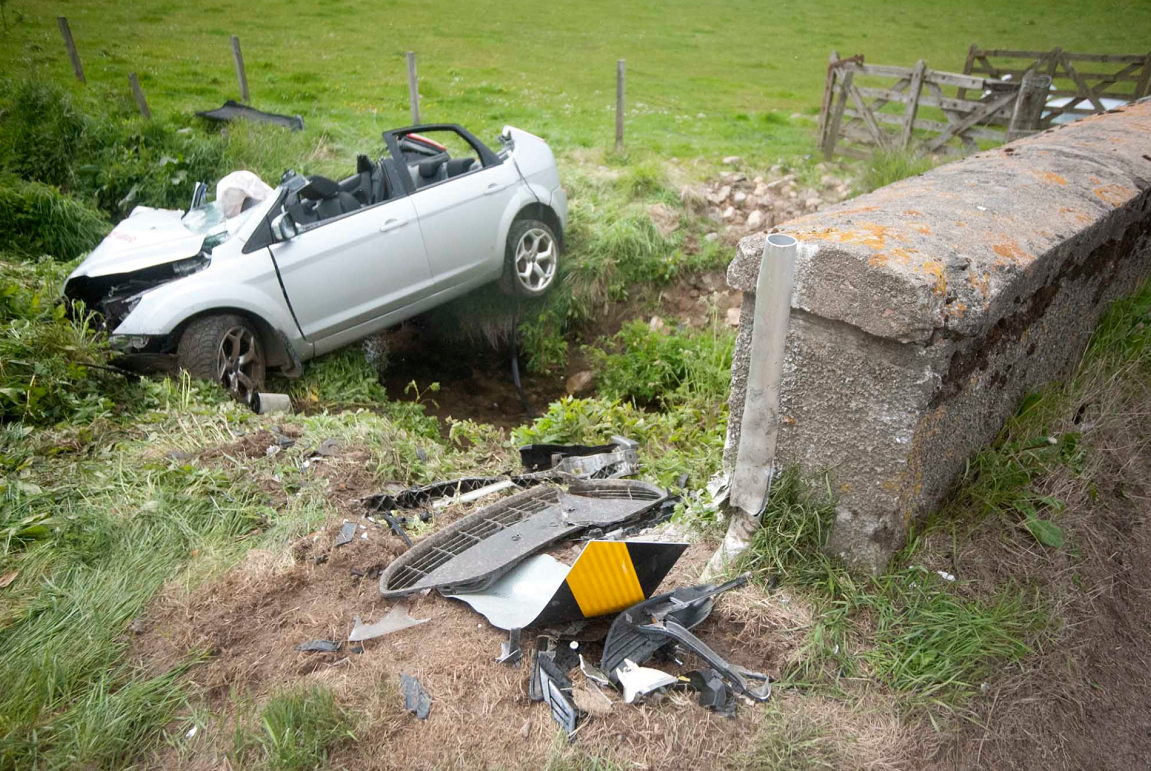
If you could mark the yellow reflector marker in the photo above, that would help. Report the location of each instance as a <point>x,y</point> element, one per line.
<point>603,579</point>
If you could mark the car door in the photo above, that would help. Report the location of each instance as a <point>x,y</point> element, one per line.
<point>355,268</point>
<point>460,220</point>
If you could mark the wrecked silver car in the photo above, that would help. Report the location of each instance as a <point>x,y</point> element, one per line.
<point>262,278</point>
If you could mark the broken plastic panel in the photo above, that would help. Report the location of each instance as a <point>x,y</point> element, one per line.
<point>554,687</point>
<point>714,693</point>
<point>604,461</point>
<point>510,650</point>
<point>471,553</point>
<point>396,619</point>
<point>640,631</point>
<point>640,681</point>
<point>232,110</point>
<point>347,533</point>
<point>607,577</point>
<point>689,605</point>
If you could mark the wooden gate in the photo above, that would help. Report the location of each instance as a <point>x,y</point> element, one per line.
<point>868,106</point>
<point>1082,87</point>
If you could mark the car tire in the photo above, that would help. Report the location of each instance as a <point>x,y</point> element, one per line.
<point>531,259</point>
<point>224,349</point>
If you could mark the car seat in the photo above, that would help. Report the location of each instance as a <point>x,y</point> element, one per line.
<point>457,166</point>
<point>330,199</point>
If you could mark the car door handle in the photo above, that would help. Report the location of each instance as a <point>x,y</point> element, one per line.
<point>392,224</point>
<point>494,187</point>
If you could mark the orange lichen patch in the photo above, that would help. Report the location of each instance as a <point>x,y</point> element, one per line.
<point>957,309</point>
<point>903,255</point>
<point>1052,177</point>
<point>934,268</point>
<point>1010,250</point>
<point>980,282</point>
<point>1095,180</point>
<point>921,228</point>
<point>1078,216</point>
<point>866,234</point>
<point>1114,194</point>
<point>877,260</point>
<point>913,213</point>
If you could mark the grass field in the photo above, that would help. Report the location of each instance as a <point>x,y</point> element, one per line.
<point>701,76</point>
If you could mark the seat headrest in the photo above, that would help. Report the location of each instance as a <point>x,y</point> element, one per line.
<point>319,188</point>
<point>363,163</point>
<point>429,169</point>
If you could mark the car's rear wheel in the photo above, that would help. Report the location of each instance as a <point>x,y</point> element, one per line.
<point>532,256</point>
<point>224,349</point>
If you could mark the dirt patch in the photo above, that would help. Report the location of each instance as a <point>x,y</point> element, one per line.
<point>250,620</point>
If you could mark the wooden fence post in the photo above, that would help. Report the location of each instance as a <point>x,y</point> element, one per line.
<point>912,106</point>
<point>73,54</point>
<point>1028,104</point>
<point>241,74</point>
<point>138,93</point>
<point>620,76</point>
<point>1143,87</point>
<point>836,117</point>
<point>825,105</point>
<point>967,67</point>
<point>413,87</point>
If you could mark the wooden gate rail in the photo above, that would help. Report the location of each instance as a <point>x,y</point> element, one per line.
<point>993,116</point>
<point>1085,89</point>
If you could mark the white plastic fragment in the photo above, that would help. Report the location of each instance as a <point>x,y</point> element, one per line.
<point>396,620</point>
<point>945,575</point>
<point>640,681</point>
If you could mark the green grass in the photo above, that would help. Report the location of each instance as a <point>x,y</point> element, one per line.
<point>887,166</point>
<point>297,730</point>
<point>526,64</point>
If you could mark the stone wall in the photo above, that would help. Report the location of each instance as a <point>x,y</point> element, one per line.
<point>925,311</point>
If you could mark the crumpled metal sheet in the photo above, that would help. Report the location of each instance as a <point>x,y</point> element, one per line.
<point>606,577</point>
<point>416,699</point>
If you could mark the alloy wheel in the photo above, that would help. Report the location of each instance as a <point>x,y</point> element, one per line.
<point>237,361</point>
<point>536,260</point>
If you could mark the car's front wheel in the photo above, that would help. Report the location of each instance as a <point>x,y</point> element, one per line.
<point>224,349</point>
<point>532,259</point>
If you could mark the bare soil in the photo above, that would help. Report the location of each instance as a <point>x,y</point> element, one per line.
<point>250,620</point>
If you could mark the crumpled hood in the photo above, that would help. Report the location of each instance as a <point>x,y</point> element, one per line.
<point>147,237</point>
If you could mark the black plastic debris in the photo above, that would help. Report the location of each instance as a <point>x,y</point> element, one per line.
<point>510,650</point>
<point>397,528</point>
<point>663,622</point>
<point>319,646</point>
<point>422,496</point>
<point>347,533</point>
<point>416,699</point>
<point>605,461</point>
<point>714,693</point>
<point>472,552</point>
<point>555,690</point>
<point>232,110</point>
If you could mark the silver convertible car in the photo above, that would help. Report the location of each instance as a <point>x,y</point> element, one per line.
<point>271,278</point>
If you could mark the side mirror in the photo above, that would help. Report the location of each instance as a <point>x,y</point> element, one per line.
<point>285,227</point>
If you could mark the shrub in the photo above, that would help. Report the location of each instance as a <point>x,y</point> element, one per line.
<point>37,219</point>
<point>654,366</point>
<point>43,132</point>
<point>49,363</point>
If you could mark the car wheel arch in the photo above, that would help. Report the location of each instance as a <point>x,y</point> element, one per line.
<point>543,213</point>
<point>278,350</point>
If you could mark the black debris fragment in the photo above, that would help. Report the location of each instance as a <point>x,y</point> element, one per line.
<point>555,689</point>
<point>663,621</point>
<point>319,646</point>
<point>416,699</point>
<point>510,650</point>
<point>714,693</point>
<point>232,110</point>
<point>347,533</point>
<point>396,528</point>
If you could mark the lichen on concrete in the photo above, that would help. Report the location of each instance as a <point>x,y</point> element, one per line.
<point>925,311</point>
